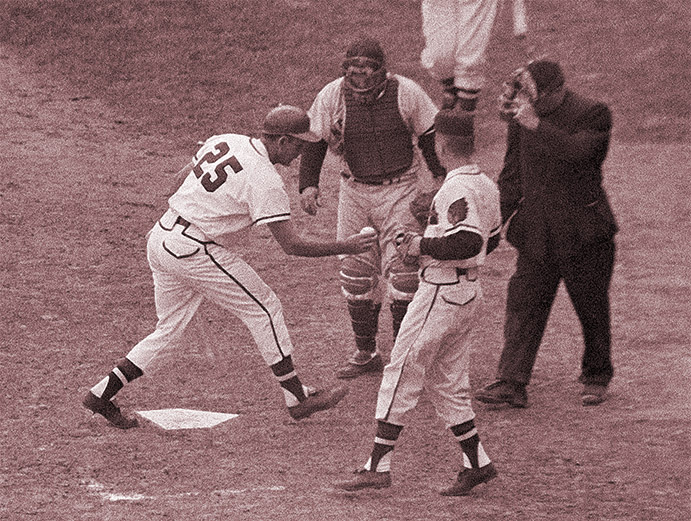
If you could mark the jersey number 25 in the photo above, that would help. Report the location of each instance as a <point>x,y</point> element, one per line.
<point>219,167</point>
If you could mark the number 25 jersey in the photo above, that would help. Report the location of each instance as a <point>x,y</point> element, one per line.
<point>233,185</point>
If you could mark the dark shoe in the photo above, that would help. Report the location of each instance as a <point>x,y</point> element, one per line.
<point>109,411</point>
<point>468,479</point>
<point>593,394</point>
<point>320,400</point>
<point>503,392</point>
<point>361,363</point>
<point>366,479</point>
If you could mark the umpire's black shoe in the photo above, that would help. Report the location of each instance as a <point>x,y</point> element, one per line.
<point>109,411</point>
<point>468,479</point>
<point>593,394</point>
<point>503,392</point>
<point>320,400</point>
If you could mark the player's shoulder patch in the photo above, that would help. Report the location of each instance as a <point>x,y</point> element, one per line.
<point>458,211</point>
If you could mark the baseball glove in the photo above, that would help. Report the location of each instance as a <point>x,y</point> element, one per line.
<point>408,247</point>
<point>421,207</point>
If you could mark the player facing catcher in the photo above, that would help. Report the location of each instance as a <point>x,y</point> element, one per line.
<point>432,348</point>
<point>230,185</point>
<point>371,120</point>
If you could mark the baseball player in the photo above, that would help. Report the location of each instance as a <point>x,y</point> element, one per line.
<point>457,33</point>
<point>432,348</point>
<point>371,120</point>
<point>231,185</point>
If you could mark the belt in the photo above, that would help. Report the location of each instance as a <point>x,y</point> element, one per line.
<point>444,276</point>
<point>190,230</point>
<point>380,182</point>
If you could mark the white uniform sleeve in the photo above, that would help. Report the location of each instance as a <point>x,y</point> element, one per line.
<point>268,202</point>
<point>417,108</point>
<point>325,112</point>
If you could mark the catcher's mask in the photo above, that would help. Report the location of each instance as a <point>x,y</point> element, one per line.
<point>365,77</point>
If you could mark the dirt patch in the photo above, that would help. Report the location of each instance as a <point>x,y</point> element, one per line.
<point>82,186</point>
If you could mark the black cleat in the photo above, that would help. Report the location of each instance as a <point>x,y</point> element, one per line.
<point>357,367</point>
<point>366,479</point>
<point>109,411</point>
<point>320,400</point>
<point>468,479</point>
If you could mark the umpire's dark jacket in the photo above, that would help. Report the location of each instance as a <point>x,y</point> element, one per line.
<point>552,180</point>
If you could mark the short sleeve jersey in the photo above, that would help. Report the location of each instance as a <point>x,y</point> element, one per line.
<point>468,200</point>
<point>233,185</point>
<point>328,117</point>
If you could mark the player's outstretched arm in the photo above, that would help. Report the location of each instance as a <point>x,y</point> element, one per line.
<point>293,244</point>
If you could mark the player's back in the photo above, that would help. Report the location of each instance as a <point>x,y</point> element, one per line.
<point>233,184</point>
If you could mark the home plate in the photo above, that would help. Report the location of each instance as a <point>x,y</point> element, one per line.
<point>171,419</point>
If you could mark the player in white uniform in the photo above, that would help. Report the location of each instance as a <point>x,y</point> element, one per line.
<point>231,185</point>
<point>457,33</point>
<point>371,120</point>
<point>432,348</point>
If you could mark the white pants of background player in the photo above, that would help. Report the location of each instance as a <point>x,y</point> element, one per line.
<point>457,33</point>
<point>432,353</point>
<point>186,271</point>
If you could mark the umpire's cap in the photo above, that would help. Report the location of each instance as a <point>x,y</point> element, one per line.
<point>287,120</point>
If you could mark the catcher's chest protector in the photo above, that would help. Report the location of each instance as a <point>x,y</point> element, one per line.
<point>377,142</point>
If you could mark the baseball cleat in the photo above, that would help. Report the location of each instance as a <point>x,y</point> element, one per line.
<point>501,392</point>
<point>593,394</point>
<point>319,400</point>
<point>366,479</point>
<point>469,479</point>
<point>109,411</point>
<point>356,367</point>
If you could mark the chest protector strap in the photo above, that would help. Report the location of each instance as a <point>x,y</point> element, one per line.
<point>377,143</point>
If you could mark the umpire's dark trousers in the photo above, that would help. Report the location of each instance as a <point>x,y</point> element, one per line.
<point>532,289</point>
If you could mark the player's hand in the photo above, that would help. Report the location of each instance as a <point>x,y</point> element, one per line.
<point>525,113</point>
<point>408,246</point>
<point>309,200</point>
<point>361,242</point>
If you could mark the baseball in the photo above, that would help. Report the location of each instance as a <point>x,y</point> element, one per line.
<point>368,230</point>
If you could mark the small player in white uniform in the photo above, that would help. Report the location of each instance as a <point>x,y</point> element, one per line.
<point>431,352</point>
<point>231,185</point>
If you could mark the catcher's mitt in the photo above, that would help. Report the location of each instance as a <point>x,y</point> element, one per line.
<point>421,207</point>
<point>408,247</point>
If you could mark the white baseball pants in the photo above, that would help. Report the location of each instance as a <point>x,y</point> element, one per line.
<point>187,269</point>
<point>432,353</point>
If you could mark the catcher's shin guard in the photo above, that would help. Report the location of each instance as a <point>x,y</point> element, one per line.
<point>398,310</point>
<point>364,317</point>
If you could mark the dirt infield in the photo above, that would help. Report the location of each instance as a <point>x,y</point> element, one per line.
<point>80,189</point>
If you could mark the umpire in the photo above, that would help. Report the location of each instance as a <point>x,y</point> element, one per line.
<point>561,223</point>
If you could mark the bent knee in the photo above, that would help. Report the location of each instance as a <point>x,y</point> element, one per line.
<point>403,281</point>
<point>359,278</point>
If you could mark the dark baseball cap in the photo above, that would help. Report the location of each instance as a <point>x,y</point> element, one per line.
<point>458,125</point>
<point>287,120</point>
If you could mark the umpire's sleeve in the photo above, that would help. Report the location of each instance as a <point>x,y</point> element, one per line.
<point>311,164</point>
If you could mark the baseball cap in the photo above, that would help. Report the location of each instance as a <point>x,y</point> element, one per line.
<point>457,124</point>
<point>368,48</point>
<point>287,120</point>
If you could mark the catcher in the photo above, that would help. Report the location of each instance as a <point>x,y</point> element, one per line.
<point>432,348</point>
<point>371,120</point>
